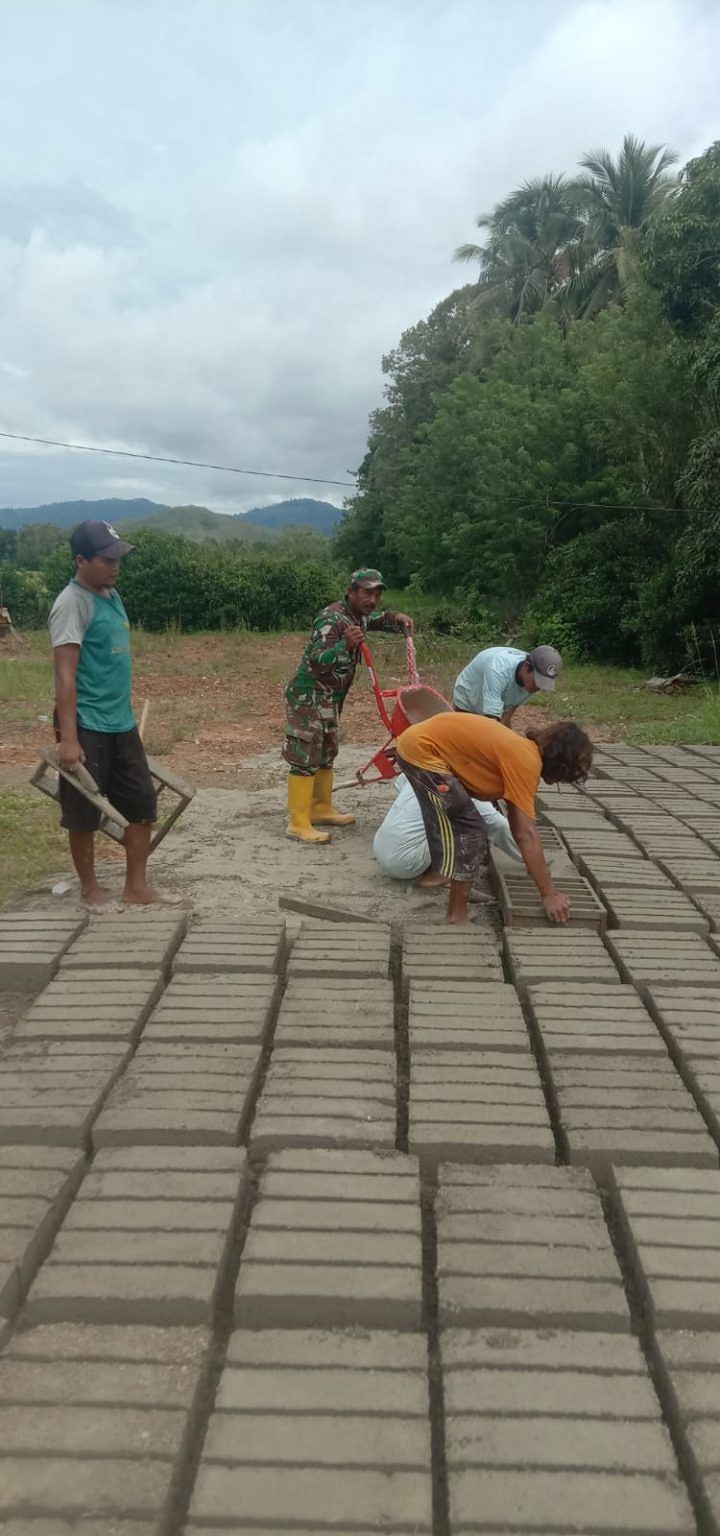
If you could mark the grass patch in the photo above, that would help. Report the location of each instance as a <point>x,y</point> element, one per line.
<point>33,842</point>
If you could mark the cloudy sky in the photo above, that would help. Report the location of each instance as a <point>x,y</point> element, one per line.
<point>216,215</point>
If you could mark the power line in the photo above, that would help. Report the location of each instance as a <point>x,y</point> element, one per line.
<point>156,458</point>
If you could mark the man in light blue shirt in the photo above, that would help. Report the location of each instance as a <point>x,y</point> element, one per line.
<point>497,680</point>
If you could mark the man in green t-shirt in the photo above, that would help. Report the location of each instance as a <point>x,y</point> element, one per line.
<point>94,719</point>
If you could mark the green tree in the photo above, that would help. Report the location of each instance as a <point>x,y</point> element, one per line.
<point>619,200</point>
<point>532,246</point>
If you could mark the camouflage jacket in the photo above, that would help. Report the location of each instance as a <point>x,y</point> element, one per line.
<point>328,666</point>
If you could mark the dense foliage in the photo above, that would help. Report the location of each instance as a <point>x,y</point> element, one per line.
<point>549,449</point>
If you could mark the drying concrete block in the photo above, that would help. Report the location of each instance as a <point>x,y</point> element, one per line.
<point>334,1241</point>
<point>449,955</point>
<point>93,1423</point>
<point>626,1110</point>
<point>558,956</point>
<point>51,1095</point>
<point>296,1436</point>
<point>32,945</point>
<point>480,1016</point>
<point>675,1262</point>
<point>37,1184</point>
<point>593,1018</point>
<point>168,1096</point>
<point>224,944</point>
<point>359,950</point>
<point>488,1108</point>
<point>132,941</point>
<point>667,910</point>
<point>340,1096</point>
<point>664,959</point>
<point>130,1251</point>
<point>514,1255</point>
<point>694,875</point>
<point>333,1012</point>
<point>199,1007</point>
<point>523,1500</point>
<point>104,1004</point>
<point>623,874</point>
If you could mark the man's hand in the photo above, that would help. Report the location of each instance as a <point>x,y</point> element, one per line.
<point>557,907</point>
<point>353,636</point>
<point>405,622</point>
<point>70,753</point>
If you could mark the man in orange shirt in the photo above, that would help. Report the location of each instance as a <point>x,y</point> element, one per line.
<point>451,759</point>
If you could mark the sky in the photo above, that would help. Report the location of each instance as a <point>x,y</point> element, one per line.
<point>216,216</point>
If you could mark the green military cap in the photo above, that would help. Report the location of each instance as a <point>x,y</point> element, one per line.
<point>366,578</point>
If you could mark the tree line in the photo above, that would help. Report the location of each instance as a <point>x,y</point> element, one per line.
<point>548,453</point>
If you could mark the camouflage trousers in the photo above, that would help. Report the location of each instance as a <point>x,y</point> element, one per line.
<point>311,733</point>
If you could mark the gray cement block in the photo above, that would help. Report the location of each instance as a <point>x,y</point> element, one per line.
<point>609,1112</point>
<point>530,1499</point>
<point>449,955</point>
<point>129,941</point>
<point>32,945</point>
<point>35,1192</point>
<point>201,1007</point>
<point>350,1285</point>
<point>667,910</point>
<point>334,1012</point>
<point>164,1260</point>
<point>486,1109</point>
<point>493,1274</point>
<point>340,949</point>
<point>347,1098</point>
<point>592,1019</point>
<point>224,944</point>
<point>204,1100</point>
<point>661,959</point>
<point>107,1004</point>
<point>479,1016</point>
<point>557,956</point>
<point>672,1297</point>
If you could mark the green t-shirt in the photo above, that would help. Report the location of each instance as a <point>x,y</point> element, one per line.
<point>98,623</point>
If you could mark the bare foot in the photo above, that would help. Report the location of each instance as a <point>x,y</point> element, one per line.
<point>151,896</point>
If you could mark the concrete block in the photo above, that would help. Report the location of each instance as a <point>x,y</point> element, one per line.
<point>667,910</point>
<point>32,945</point>
<point>490,1108</point>
<point>130,941</point>
<point>164,1260</point>
<point>35,1192</point>
<point>42,1103</point>
<point>465,1015</point>
<point>224,944</point>
<point>557,956</point>
<point>334,1012</point>
<point>492,1273</point>
<point>196,1103</point>
<point>593,1018</point>
<point>341,949</point>
<point>201,1007</point>
<point>664,959</point>
<point>623,874</point>
<point>325,1498</point>
<point>103,1004</point>
<point>349,1099</point>
<point>352,1284</point>
<point>672,1297</point>
<point>449,955</point>
<point>536,1499</point>
<point>609,1112</point>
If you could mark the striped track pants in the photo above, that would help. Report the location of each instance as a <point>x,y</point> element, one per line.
<point>456,832</point>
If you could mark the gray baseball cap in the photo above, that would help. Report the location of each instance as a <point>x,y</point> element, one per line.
<point>546,663</point>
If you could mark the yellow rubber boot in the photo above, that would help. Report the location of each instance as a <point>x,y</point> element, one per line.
<point>323,812</point>
<point>300,799</point>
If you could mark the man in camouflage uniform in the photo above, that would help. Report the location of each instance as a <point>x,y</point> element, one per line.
<point>315,697</point>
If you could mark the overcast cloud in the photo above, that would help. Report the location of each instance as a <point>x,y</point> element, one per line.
<point>216,215</point>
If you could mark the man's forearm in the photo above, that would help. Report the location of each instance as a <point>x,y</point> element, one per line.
<point>534,860</point>
<point>66,704</point>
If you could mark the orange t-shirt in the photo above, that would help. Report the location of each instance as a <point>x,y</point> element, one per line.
<point>492,761</point>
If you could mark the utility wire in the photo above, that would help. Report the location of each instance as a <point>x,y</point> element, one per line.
<point>156,458</point>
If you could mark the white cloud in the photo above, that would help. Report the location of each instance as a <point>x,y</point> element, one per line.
<point>220,221</point>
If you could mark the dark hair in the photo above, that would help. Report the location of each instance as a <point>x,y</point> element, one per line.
<point>566,752</point>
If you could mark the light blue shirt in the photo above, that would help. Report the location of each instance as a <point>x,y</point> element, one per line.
<point>487,685</point>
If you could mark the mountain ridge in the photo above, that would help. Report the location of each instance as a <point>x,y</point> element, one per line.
<point>304,512</point>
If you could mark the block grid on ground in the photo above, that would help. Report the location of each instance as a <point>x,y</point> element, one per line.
<point>690,1366</point>
<point>319,1430</point>
<point>488,1107</point>
<point>446,954</point>
<point>334,1241</point>
<point>36,1186</point>
<point>93,1426</point>
<point>523,1246</point>
<point>340,949</point>
<point>229,944</point>
<point>147,1240</point>
<point>103,1004</point>
<point>556,1431</point>
<point>322,1098</point>
<point>690,1024</point>
<point>201,1007</point>
<point>453,1015</point>
<point>32,945</point>
<point>132,941</point>
<point>670,1220</point>
<point>51,1091</point>
<point>579,958</point>
<point>664,959</point>
<point>333,1012</point>
<point>182,1093</point>
<point>652,909</point>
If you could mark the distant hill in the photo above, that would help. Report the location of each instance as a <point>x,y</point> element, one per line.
<point>194,522</point>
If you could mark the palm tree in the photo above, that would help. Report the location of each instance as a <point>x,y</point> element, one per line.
<point>530,252</point>
<point>618,200</point>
